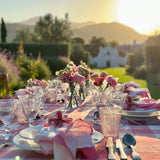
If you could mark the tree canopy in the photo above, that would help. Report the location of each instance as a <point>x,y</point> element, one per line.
<point>47,29</point>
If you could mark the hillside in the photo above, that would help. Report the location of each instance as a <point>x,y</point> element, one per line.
<point>110,31</point>
<point>12,28</point>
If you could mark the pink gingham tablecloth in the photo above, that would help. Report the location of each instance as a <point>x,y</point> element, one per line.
<point>147,137</point>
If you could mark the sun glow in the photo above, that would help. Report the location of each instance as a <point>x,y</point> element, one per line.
<point>142,15</point>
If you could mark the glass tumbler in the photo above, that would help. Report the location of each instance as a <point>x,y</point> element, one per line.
<point>110,120</point>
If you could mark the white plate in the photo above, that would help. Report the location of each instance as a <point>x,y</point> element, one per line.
<point>141,116</point>
<point>29,144</point>
<point>25,143</point>
<point>30,132</point>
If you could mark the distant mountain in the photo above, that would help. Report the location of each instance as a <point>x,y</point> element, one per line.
<point>76,25</point>
<point>31,21</point>
<point>110,31</point>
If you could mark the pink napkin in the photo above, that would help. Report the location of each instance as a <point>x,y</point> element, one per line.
<point>68,139</point>
<point>143,104</point>
<point>141,92</point>
<point>130,85</point>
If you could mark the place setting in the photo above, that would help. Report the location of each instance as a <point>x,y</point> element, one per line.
<point>42,137</point>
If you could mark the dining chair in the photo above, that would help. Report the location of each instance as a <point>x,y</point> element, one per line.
<point>4,77</point>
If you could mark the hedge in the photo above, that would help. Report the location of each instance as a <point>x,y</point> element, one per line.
<point>152,59</point>
<point>46,49</point>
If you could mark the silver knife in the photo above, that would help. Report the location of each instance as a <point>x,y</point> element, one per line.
<point>110,145</point>
<point>123,155</point>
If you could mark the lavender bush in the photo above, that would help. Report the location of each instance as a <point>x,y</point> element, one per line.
<point>7,66</point>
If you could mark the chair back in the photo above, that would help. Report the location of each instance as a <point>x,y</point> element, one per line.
<point>4,77</point>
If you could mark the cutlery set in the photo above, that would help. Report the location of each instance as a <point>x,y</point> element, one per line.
<point>129,141</point>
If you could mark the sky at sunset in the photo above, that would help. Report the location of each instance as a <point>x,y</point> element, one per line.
<point>142,15</point>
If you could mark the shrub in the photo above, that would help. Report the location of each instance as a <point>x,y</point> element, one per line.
<point>136,59</point>
<point>140,72</point>
<point>79,54</point>
<point>56,63</point>
<point>48,49</point>
<point>31,68</point>
<point>131,63</point>
<point>153,69</point>
<point>7,66</point>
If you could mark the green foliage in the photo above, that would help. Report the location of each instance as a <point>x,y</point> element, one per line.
<point>78,54</point>
<point>114,44</point>
<point>55,64</point>
<point>135,60</point>
<point>7,66</point>
<point>30,68</point>
<point>47,49</point>
<point>153,40</point>
<point>77,40</point>
<point>24,35</point>
<point>94,45</point>
<point>49,29</point>
<point>140,72</point>
<point>131,63</point>
<point>152,59</point>
<point>3,31</point>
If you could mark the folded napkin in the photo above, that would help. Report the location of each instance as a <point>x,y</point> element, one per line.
<point>129,85</point>
<point>143,104</point>
<point>65,140</point>
<point>139,92</point>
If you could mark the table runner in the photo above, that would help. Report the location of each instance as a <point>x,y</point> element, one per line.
<point>147,136</point>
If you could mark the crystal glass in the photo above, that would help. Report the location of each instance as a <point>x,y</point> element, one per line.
<point>30,106</point>
<point>110,120</point>
<point>6,114</point>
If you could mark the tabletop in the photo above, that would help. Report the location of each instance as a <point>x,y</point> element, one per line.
<point>147,137</point>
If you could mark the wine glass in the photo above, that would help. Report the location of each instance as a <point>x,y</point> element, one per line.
<point>30,106</point>
<point>6,114</point>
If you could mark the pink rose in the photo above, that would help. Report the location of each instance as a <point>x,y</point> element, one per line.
<point>98,81</point>
<point>79,79</point>
<point>103,74</point>
<point>112,81</point>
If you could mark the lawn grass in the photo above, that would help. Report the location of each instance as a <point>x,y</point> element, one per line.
<point>120,73</point>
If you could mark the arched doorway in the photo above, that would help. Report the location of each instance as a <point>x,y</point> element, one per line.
<point>108,63</point>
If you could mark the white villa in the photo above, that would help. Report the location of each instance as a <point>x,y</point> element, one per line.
<point>108,57</point>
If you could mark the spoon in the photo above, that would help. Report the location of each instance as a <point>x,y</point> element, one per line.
<point>130,141</point>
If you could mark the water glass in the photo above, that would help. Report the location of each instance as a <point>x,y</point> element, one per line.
<point>7,114</point>
<point>110,120</point>
<point>30,107</point>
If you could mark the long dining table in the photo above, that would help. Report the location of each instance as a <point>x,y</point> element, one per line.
<point>147,136</point>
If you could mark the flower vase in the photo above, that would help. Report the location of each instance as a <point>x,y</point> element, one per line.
<point>81,92</point>
<point>73,103</point>
<point>87,87</point>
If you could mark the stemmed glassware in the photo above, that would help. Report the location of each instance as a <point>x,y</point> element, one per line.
<point>30,106</point>
<point>7,113</point>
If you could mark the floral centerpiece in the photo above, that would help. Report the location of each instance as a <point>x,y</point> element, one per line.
<point>103,81</point>
<point>36,82</point>
<point>104,84</point>
<point>72,77</point>
<point>85,72</point>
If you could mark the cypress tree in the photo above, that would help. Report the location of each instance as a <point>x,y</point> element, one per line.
<point>3,31</point>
